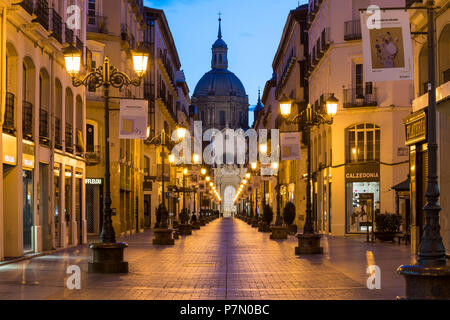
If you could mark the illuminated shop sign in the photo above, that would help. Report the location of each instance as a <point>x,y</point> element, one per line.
<point>9,149</point>
<point>362,172</point>
<point>94,181</point>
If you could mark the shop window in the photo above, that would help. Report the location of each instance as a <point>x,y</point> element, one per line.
<point>363,203</point>
<point>363,143</point>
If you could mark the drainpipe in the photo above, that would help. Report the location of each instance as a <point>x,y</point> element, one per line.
<point>2,108</point>
<point>51,175</point>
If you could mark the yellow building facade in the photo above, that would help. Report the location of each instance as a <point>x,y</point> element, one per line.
<point>43,129</point>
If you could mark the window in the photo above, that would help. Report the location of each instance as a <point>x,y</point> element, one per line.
<point>202,116</point>
<point>91,12</point>
<point>222,118</point>
<point>359,82</point>
<point>363,143</point>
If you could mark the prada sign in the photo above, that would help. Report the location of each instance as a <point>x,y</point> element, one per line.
<point>416,128</point>
<point>362,172</point>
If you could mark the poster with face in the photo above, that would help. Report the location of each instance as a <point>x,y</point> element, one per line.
<point>387,45</point>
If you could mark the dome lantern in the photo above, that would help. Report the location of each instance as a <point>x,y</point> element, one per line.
<point>219,51</point>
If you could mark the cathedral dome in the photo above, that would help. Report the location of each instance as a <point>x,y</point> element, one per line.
<point>220,82</point>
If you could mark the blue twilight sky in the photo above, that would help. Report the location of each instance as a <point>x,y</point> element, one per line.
<point>251,28</point>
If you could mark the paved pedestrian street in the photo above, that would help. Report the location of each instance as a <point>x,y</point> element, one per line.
<point>227,259</point>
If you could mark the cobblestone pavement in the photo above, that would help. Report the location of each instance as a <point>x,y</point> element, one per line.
<point>227,259</point>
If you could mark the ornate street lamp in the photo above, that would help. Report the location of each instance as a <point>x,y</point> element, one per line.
<point>108,255</point>
<point>309,242</point>
<point>430,278</point>
<point>163,235</point>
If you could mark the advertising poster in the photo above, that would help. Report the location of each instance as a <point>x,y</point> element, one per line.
<point>387,45</point>
<point>133,119</point>
<point>290,146</point>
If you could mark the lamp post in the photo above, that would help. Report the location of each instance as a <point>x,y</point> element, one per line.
<point>108,255</point>
<point>309,242</point>
<point>163,235</point>
<point>430,278</point>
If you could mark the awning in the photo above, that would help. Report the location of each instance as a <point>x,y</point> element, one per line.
<point>402,186</point>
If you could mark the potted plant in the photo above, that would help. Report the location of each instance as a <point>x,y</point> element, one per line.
<point>387,226</point>
<point>185,227</point>
<point>266,218</point>
<point>289,217</point>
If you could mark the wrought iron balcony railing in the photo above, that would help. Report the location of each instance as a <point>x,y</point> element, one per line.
<point>42,14</point>
<point>93,154</point>
<point>56,25</point>
<point>149,91</point>
<point>68,34</point>
<point>27,120</point>
<point>69,138</point>
<point>28,6</point>
<point>360,97</point>
<point>352,30</point>
<point>58,140</point>
<point>44,137</point>
<point>8,120</point>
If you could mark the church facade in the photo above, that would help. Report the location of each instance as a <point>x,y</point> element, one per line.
<point>222,103</point>
<point>220,96</point>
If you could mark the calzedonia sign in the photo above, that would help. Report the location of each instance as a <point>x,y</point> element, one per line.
<point>362,172</point>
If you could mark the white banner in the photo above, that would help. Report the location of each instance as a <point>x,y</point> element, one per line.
<point>290,145</point>
<point>133,119</point>
<point>387,45</point>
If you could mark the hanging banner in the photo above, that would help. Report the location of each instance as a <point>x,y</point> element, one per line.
<point>290,145</point>
<point>387,45</point>
<point>256,182</point>
<point>133,119</point>
<point>193,179</point>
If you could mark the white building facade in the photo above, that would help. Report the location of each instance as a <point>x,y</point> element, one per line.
<point>357,159</point>
<point>43,129</point>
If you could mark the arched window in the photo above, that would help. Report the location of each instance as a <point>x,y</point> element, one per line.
<point>444,57</point>
<point>363,143</point>
<point>58,114</point>
<point>423,69</point>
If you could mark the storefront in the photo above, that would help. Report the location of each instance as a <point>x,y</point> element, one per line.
<point>416,139</point>
<point>68,194</point>
<point>28,194</point>
<point>94,205</point>
<point>362,196</point>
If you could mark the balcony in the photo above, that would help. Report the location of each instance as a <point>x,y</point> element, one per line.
<point>58,141</point>
<point>93,155</point>
<point>358,97</point>
<point>42,14</point>
<point>56,25</point>
<point>69,138</point>
<point>446,75</point>
<point>149,91</point>
<point>44,137</point>
<point>68,34</point>
<point>80,142</point>
<point>410,3</point>
<point>28,6</point>
<point>27,120</point>
<point>8,121</point>
<point>97,24</point>
<point>325,39</point>
<point>167,65</point>
<point>352,30</point>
